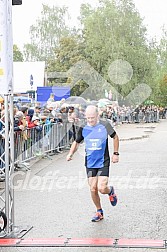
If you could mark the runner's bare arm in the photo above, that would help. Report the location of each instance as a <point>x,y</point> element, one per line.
<point>73,149</point>
<point>115,157</point>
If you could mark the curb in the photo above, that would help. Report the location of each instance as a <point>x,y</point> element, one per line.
<point>134,138</point>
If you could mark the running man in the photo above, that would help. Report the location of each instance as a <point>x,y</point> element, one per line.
<point>97,160</point>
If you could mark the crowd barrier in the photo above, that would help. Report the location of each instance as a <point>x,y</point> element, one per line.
<point>32,143</point>
<point>141,117</point>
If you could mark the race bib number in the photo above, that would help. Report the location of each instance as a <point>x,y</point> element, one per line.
<point>93,144</point>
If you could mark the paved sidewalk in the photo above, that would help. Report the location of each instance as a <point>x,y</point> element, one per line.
<point>135,131</point>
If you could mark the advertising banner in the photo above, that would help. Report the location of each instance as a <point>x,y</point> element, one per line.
<point>6,47</point>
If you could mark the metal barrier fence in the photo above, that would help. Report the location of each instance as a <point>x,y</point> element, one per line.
<point>33,142</point>
<point>139,117</point>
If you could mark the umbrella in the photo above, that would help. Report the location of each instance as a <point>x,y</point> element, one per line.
<point>104,102</point>
<point>148,102</point>
<point>93,102</point>
<point>74,100</point>
<point>22,99</point>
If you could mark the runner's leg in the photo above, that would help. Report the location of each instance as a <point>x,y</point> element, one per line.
<point>92,181</point>
<point>102,185</point>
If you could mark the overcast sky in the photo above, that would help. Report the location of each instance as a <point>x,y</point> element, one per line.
<point>153,12</point>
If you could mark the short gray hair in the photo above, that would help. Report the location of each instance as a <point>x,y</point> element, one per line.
<point>92,108</point>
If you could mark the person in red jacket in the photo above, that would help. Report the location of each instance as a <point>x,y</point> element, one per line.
<point>35,123</point>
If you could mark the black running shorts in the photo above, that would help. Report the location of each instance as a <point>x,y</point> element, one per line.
<point>93,172</point>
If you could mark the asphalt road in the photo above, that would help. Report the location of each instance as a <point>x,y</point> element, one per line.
<point>54,196</point>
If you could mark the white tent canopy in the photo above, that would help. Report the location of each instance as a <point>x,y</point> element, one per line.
<point>23,71</point>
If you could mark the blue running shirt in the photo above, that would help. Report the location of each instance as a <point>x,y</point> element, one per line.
<point>96,143</point>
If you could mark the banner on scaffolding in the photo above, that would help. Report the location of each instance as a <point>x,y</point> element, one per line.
<point>6,47</point>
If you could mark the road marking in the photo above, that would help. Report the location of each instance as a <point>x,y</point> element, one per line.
<point>83,242</point>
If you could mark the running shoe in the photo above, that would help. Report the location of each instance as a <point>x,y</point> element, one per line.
<point>113,197</point>
<point>98,216</point>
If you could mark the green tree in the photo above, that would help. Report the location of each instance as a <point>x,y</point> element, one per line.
<point>160,96</point>
<point>17,54</point>
<point>70,51</point>
<point>46,33</point>
<point>31,52</point>
<point>112,31</point>
<point>115,31</point>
